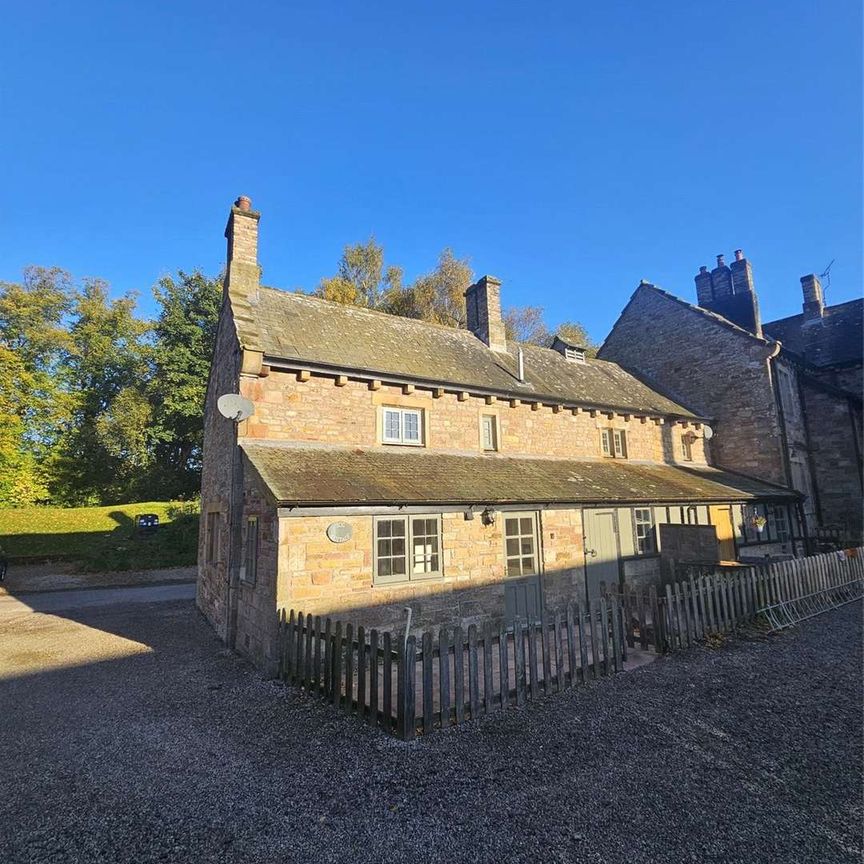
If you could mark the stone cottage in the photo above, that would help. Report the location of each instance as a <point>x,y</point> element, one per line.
<point>389,462</point>
<point>785,395</point>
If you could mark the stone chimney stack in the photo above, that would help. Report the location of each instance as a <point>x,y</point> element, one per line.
<point>730,292</point>
<point>483,302</point>
<point>704,291</point>
<point>742,274</point>
<point>721,279</point>
<point>242,273</point>
<point>814,298</point>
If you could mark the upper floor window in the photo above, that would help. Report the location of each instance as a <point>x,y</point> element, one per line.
<point>687,447</point>
<point>613,443</point>
<point>402,426</point>
<point>407,547</point>
<point>488,432</point>
<point>643,528</point>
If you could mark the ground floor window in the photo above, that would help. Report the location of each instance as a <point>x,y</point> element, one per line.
<point>520,544</point>
<point>407,547</point>
<point>211,540</point>
<point>643,529</point>
<point>250,560</point>
<point>778,523</point>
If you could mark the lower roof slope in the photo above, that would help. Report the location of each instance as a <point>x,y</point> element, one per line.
<point>310,475</point>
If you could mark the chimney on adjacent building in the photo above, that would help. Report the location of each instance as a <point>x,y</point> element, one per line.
<point>242,273</point>
<point>721,279</point>
<point>704,291</point>
<point>814,298</point>
<point>483,303</point>
<point>730,292</point>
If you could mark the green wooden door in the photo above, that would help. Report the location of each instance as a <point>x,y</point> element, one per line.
<point>601,550</point>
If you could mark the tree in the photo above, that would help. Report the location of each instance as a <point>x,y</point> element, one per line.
<point>438,296</point>
<point>106,356</point>
<point>361,279</point>
<point>526,324</point>
<point>34,408</point>
<point>184,336</point>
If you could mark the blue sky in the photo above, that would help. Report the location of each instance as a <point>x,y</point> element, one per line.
<point>570,149</point>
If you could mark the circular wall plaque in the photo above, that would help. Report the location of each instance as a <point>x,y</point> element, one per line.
<point>339,532</point>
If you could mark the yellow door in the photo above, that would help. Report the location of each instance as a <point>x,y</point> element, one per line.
<point>721,519</point>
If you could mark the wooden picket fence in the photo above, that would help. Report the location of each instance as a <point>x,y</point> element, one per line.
<point>415,685</point>
<point>781,593</point>
<point>410,685</point>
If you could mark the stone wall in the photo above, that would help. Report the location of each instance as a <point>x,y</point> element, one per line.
<point>835,454</point>
<point>320,577</point>
<point>219,444</point>
<point>711,367</point>
<point>317,410</point>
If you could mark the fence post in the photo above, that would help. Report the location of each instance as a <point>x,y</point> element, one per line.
<point>617,641</point>
<point>519,660</point>
<point>473,672</point>
<point>503,671</point>
<point>373,677</point>
<point>444,676</point>
<point>405,661</point>
<point>459,675</point>
<point>487,667</point>
<point>361,671</point>
<point>387,694</point>
<point>427,683</point>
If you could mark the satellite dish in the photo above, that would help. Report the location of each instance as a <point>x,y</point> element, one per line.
<point>235,407</point>
<point>707,432</point>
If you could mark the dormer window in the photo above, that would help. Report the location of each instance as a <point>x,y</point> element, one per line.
<point>571,352</point>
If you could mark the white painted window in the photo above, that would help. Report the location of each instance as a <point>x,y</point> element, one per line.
<point>778,524</point>
<point>488,432</point>
<point>407,548</point>
<point>577,355</point>
<point>613,443</point>
<point>402,426</point>
<point>520,544</point>
<point>643,528</point>
<point>687,447</point>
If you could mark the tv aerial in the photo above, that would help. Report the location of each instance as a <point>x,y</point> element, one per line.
<point>234,407</point>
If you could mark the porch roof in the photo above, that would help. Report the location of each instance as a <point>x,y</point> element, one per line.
<point>312,475</point>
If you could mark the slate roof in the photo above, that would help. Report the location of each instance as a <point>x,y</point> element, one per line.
<point>835,339</point>
<point>311,475</point>
<point>303,329</point>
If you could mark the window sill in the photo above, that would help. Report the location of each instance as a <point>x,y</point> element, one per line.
<point>403,443</point>
<point>391,583</point>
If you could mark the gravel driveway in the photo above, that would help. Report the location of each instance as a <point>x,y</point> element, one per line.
<point>156,745</point>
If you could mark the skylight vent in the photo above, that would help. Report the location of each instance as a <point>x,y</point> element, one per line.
<point>575,355</point>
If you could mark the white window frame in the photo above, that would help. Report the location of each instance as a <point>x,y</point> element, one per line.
<point>410,574</point>
<point>777,516</point>
<point>400,438</point>
<point>650,535</point>
<point>613,443</point>
<point>687,446</point>
<point>535,538</point>
<point>249,571</point>
<point>492,422</point>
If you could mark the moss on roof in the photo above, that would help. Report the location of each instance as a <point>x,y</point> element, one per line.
<point>302,329</point>
<point>316,475</point>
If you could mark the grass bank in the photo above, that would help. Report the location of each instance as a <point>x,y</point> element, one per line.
<point>102,538</point>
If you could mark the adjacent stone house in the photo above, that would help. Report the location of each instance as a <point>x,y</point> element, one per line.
<point>785,395</point>
<point>389,462</point>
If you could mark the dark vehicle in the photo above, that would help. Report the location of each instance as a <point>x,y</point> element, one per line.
<point>146,523</point>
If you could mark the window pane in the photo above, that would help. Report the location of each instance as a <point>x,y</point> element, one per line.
<point>398,566</point>
<point>398,527</point>
<point>397,546</point>
<point>513,568</point>
<point>384,528</point>
<point>525,525</point>
<point>511,526</point>
<point>527,565</point>
<point>384,567</point>
<point>604,443</point>
<point>391,426</point>
<point>411,426</point>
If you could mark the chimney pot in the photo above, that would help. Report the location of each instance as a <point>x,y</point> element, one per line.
<point>721,261</point>
<point>739,255</point>
<point>703,269</point>
<point>244,203</point>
